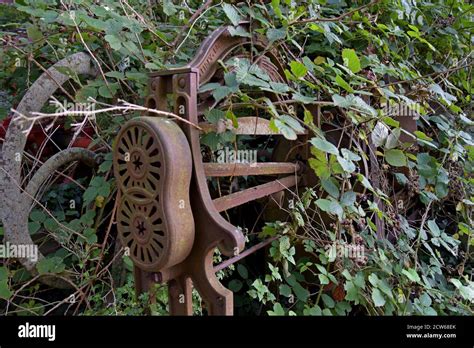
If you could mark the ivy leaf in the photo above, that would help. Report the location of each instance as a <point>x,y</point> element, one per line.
<point>114,42</point>
<point>401,178</point>
<point>392,139</point>
<point>277,310</point>
<point>377,297</point>
<point>242,271</point>
<point>285,130</point>
<point>231,13</point>
<point>239,31</point>
<point>379,134</point>
<point>335,208</point>
<point>328,301</point>
<point>5,291</point>
<point>324,204</point>
<point>346,165</point>
<point>323,279</point>
<point>341,101</point>
<point>301,293</point>
<point>221,92</point>
<point>298,69</point>
<point>352,292</point>
<point>324,145</point>
<point>330,187</point>
<point>50,265</point>
<point>276,34</point>
<point>396,158</point>
<point>169,8</point>
<point>235,285</point>
<point>351,60</point>
<point>348,198</point>
<point>214,115</point>
<point>33,227</point>
<point>448,98</point>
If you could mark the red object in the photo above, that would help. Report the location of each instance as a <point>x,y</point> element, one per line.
<point>37,137</point>
<point>338,293</point>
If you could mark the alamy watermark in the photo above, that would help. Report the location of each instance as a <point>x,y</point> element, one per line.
<point>74,108</point>
<point>343,250</point>
<point>22,251</point>
<point>402,109</point>
<point>229,155</point>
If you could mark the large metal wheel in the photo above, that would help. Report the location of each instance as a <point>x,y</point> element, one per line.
<point>17,197</point>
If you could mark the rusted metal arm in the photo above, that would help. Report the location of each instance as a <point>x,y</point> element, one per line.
<point>241,169</point>
<point>235,199</point>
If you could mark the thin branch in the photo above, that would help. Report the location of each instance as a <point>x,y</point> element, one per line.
<point>126,107</point>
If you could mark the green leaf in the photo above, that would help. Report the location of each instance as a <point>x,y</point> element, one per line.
<point>115,74</point>
<point>50,265</point>
<point>434,228</point>
<point>285,290</point>
<point>425,300</point>
<point>38,216</point>
<point>335,208</point>
<point>323,279</point>
<point>5,292</point>
<point>285,130</point>
<point>351,60</point>
<point>346,165</point>
<point>221,92</point>
<point>401,178</point>
<point>33,227</point>
<point>3,273</point>
<point>352,292</point>
<point>292,122</point>
<point>348,198</point>
<point>328,301</point>
<point>412,275</point>
<point>301,293</point>
<point>377,297</point>
<point>239,31</point>
<point>169,8</point>
<point>276,34</point>
<point>235,285</point>
<point>298,69</point>
<point>214,115</point>
<point>340,101</point>
<point>395,158</point>
<point>277,310</point>
<point>313,311</point>
<point>342,83</point>
<point>324,145</point>
<point>379,134</point>
<point>242,271</point>
<point>114,42</point>
<point>231,13</point>
<point>34,34</point>
<point>330,187</point>
<point>105,92</point>
<point>324,204</point>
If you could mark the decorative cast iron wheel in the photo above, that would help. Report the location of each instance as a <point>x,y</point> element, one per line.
<point>212,229</point>
<point>16,198</point>
<point>152,165</point>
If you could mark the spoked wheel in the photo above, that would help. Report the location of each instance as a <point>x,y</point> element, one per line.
<point>22,190</point>
<point>208,207</point>
<point>152,163</point>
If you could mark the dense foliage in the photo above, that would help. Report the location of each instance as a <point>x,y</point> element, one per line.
<point>354,59</point>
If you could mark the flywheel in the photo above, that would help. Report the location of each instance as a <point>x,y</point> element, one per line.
<point>153,167</point>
